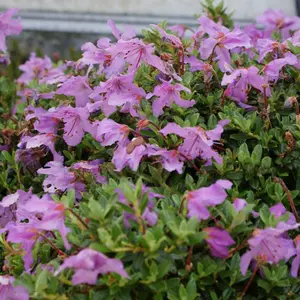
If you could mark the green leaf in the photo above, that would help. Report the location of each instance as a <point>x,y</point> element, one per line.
<point>256,155</point>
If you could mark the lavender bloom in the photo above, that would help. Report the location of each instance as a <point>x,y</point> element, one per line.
<point>170,38</point>
<point>78,87</point>
<point>179,29</point>
<point>197,141</point>
<point>239,204</point>
<point>125,156</point>
<point>53,215</point>
<point>218,240</point>
<point>33,143</point>
<point>269,245</point>
<point>136,52</point>
<point>296,260</point>
<point>221,40</point>
<point>239,81</point>
<point>273,68</point>
<point>42,70</point>
<point>170,159</point>
<point>200,199</point>
<point>119,91</point>
<point>278,210</point>
<point>168,93</point>
<point>76,123</point>
<point>108,132</point>
<point>8,26</point>
<point>60,179</point>
<point>88,264</point>
<point>128,34</point>
<point>198,65</point>
<point>277,20</point>
<point>10,292</point>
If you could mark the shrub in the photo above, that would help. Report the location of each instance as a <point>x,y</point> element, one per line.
<point>162,167</point>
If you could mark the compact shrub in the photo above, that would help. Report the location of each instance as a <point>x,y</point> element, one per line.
<point>162,167</point>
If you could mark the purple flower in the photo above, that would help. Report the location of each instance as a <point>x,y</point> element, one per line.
<point>199,65</point>
<point>33,142</point>
<point>269,245</point>
<point>8,26</point>
<point>10,292</point>
<point>42,70</point>
<point>12,205</point>
<point>296,260</point>
<point>239,204</point>
<point>218,240</point>
<point>170,159</point>
<point>108,132</point>
<point>78,87</point>
<point>76,123</point>
<point>239,81</point>
<point>278,210</point>
<point>170,38</point>
<point>25,234</point>
<point>88,264</point>
<point>101,56</point>
<point>273,68</point>
<point>277,20</point>
<point>136,52</point>
<point>91,167</point>
<point>128,34</point>
<point>220,41</point>
<point>179,29</point>
<point>45,121</point>
<point>197,141</point>
<point>128,153</point>
<point>119,91</point>
<point>168,93</point>
<point>200,199</point>
<point>60,179</point>
<point>149,215</point>
<point>53,216</point>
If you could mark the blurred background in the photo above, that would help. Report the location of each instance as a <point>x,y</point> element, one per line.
<point>57,25</point>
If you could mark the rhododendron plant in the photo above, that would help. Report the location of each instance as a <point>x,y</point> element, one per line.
<point>161,166</point>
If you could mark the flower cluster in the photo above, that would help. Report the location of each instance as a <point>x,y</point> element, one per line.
<point>155,167</point>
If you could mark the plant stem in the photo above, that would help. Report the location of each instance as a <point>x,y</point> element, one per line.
<point>289,197</point>
<point>60,252</point>
<point>78,217</point>
<point>250,281</point>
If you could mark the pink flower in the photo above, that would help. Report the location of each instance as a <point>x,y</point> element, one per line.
<point>197,141</point>
<point>168,93</point>
<point>8,26</point>
<point>42,70</point>
<point>239,81</point>
<point>76,123</point>
<point>88,264</point>
<point>277,20</point>
<point>218,240</point>
<point>200,199</point>
<point>178,29</point>
<point>123,156</point>
<point>269,245</point>
<point>60,179</point>
<point>296,260</point>
<point>239,204</point>
<point>136,52</point>
<point>170,159</point>
<point>53,216</point>
<point>170,38</point>
<point>119,91</point>
<point>221,40</point>
<point>10,292</point>
<point>78,87</point>
<point>108,132</point>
